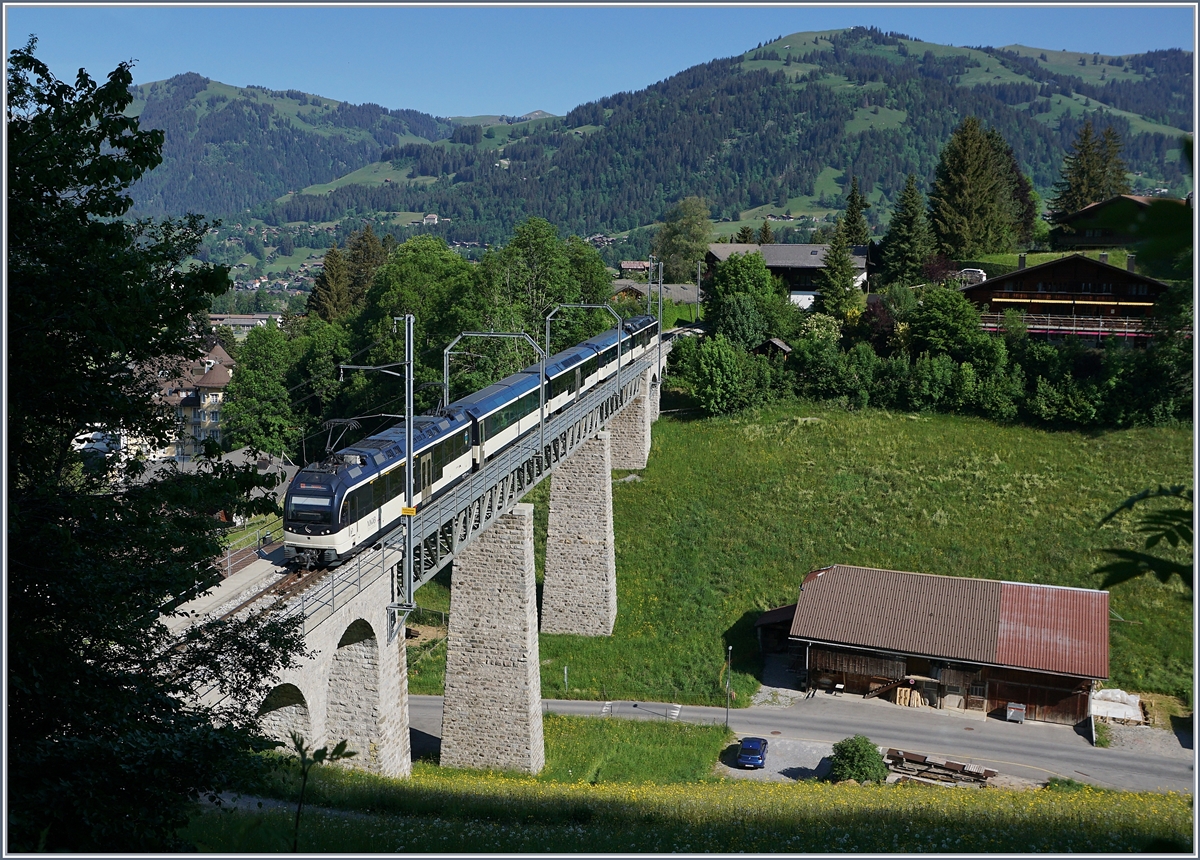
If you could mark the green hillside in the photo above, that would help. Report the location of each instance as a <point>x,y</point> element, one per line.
<point>763,132</point>
<point>227,148</point>
<point>755,134</point>
<point>732,512</point>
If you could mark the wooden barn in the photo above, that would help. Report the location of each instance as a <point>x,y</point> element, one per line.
<point>946,641</point>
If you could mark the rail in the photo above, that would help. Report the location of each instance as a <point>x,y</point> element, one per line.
<point>1084,326</point>
<point>244,550</point>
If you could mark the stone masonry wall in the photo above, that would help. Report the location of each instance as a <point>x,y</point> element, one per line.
<point>492,710</point>
<point>579,591</point>
<point>353,710</point>
<point>630,430</point>
<point>386,686</point>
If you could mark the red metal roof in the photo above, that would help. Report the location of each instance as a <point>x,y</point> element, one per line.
<point>776,616</point>
<point>1038,627</point>
<point>1060,630</point>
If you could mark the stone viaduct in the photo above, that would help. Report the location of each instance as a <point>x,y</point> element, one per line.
<point>356,684</point>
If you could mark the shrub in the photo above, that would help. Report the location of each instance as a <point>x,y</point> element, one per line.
<point>859,759</point>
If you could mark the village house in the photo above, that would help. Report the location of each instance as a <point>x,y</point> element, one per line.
<point>796,265</point>
<point>243,323</point>
<point>197,394</point>
<point>631,268</point>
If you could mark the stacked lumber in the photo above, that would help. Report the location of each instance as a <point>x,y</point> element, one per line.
<point>914,767</point>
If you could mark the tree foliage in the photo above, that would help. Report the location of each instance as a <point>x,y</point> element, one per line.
<point>978,205</point>
<point>257,403</point>
<point>839,295</point>
<point>332,296</point>
<point>859,759</point>
<point>1092,171</point>
<point>908,242</point>
<point>1172,525</point>
<point>855,219</point>
<point>683,239</point>
<point>108,742</point>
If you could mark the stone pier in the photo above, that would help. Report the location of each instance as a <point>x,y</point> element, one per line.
<point>579,591</point>
<point>631,430</point>
<point>492,711</point>
<point>354,687</point>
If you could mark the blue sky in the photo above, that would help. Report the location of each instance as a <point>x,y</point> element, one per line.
<point>464,61</point>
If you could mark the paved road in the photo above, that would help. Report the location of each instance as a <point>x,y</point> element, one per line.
<point>1029,750</point>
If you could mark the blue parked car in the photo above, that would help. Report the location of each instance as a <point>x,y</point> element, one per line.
<point>752,753</point>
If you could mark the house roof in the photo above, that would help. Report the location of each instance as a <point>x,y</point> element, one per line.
<point>1050,265</point>
<point>217,377</point>
<point>786,256</point>
<point>1042,628</point>
<point>1141,202</point>
<point>685,293</point>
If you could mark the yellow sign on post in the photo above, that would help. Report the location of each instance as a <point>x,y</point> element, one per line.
<point>408,512</point>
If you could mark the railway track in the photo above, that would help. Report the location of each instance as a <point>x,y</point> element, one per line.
<point>291,585</point>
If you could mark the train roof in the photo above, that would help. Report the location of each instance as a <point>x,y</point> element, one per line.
<point>373,452</point>
<point>568,359</point>
<point>505,391</point>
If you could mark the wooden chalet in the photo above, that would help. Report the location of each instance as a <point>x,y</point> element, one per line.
<point>946,642</point>
<point>795,265</point>
<point>1072,295</point>
<point>1095,226</point>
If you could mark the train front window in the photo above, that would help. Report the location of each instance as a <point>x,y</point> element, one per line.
<point>310,509</point>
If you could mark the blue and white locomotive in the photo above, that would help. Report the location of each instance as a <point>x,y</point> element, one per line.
<point>337,506</point>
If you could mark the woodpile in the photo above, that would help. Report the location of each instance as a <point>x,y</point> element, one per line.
<point>914,767</point>
<point>909,697</point>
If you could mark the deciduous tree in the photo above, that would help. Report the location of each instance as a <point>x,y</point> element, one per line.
<point>257,408</point>
<point>683,239</point>
<point>108,742</point>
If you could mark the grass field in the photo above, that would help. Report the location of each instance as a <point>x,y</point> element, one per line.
<point>609,786</point>
<point>732,512</point>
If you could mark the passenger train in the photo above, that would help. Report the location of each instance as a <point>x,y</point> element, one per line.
<point>347,501</point>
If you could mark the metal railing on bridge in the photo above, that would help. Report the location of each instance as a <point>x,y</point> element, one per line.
<point>449,523</point>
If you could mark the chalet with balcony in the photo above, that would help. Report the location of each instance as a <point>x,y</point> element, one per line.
<point>1074,294</point>
<point>1096,226</point>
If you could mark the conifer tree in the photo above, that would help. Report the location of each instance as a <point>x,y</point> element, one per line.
<point>331,297</point>
<point>765,234</point>
<point>364,256</point>
<point>745,235</point>
<point>908,242</point>
<point>839,295</point>
<point>978,202</point>
<point>857,231</point>
<point>1092,171</point>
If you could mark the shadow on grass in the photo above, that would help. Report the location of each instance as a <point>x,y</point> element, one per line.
<point>743,637</point>
<point>1184,729</point>
<point>424,746</point>
<point>680,405</point>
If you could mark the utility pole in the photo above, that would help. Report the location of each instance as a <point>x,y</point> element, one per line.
<point>696,317</point>
<point>649,283</point>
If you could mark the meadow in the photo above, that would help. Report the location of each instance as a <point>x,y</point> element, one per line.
<point>730,513</point>
<point>652,806</point>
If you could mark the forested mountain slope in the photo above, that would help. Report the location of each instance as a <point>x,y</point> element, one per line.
<point>773,127</point>
<point>228,148</point>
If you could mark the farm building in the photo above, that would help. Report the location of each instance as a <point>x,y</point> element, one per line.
<point>946,641</point>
